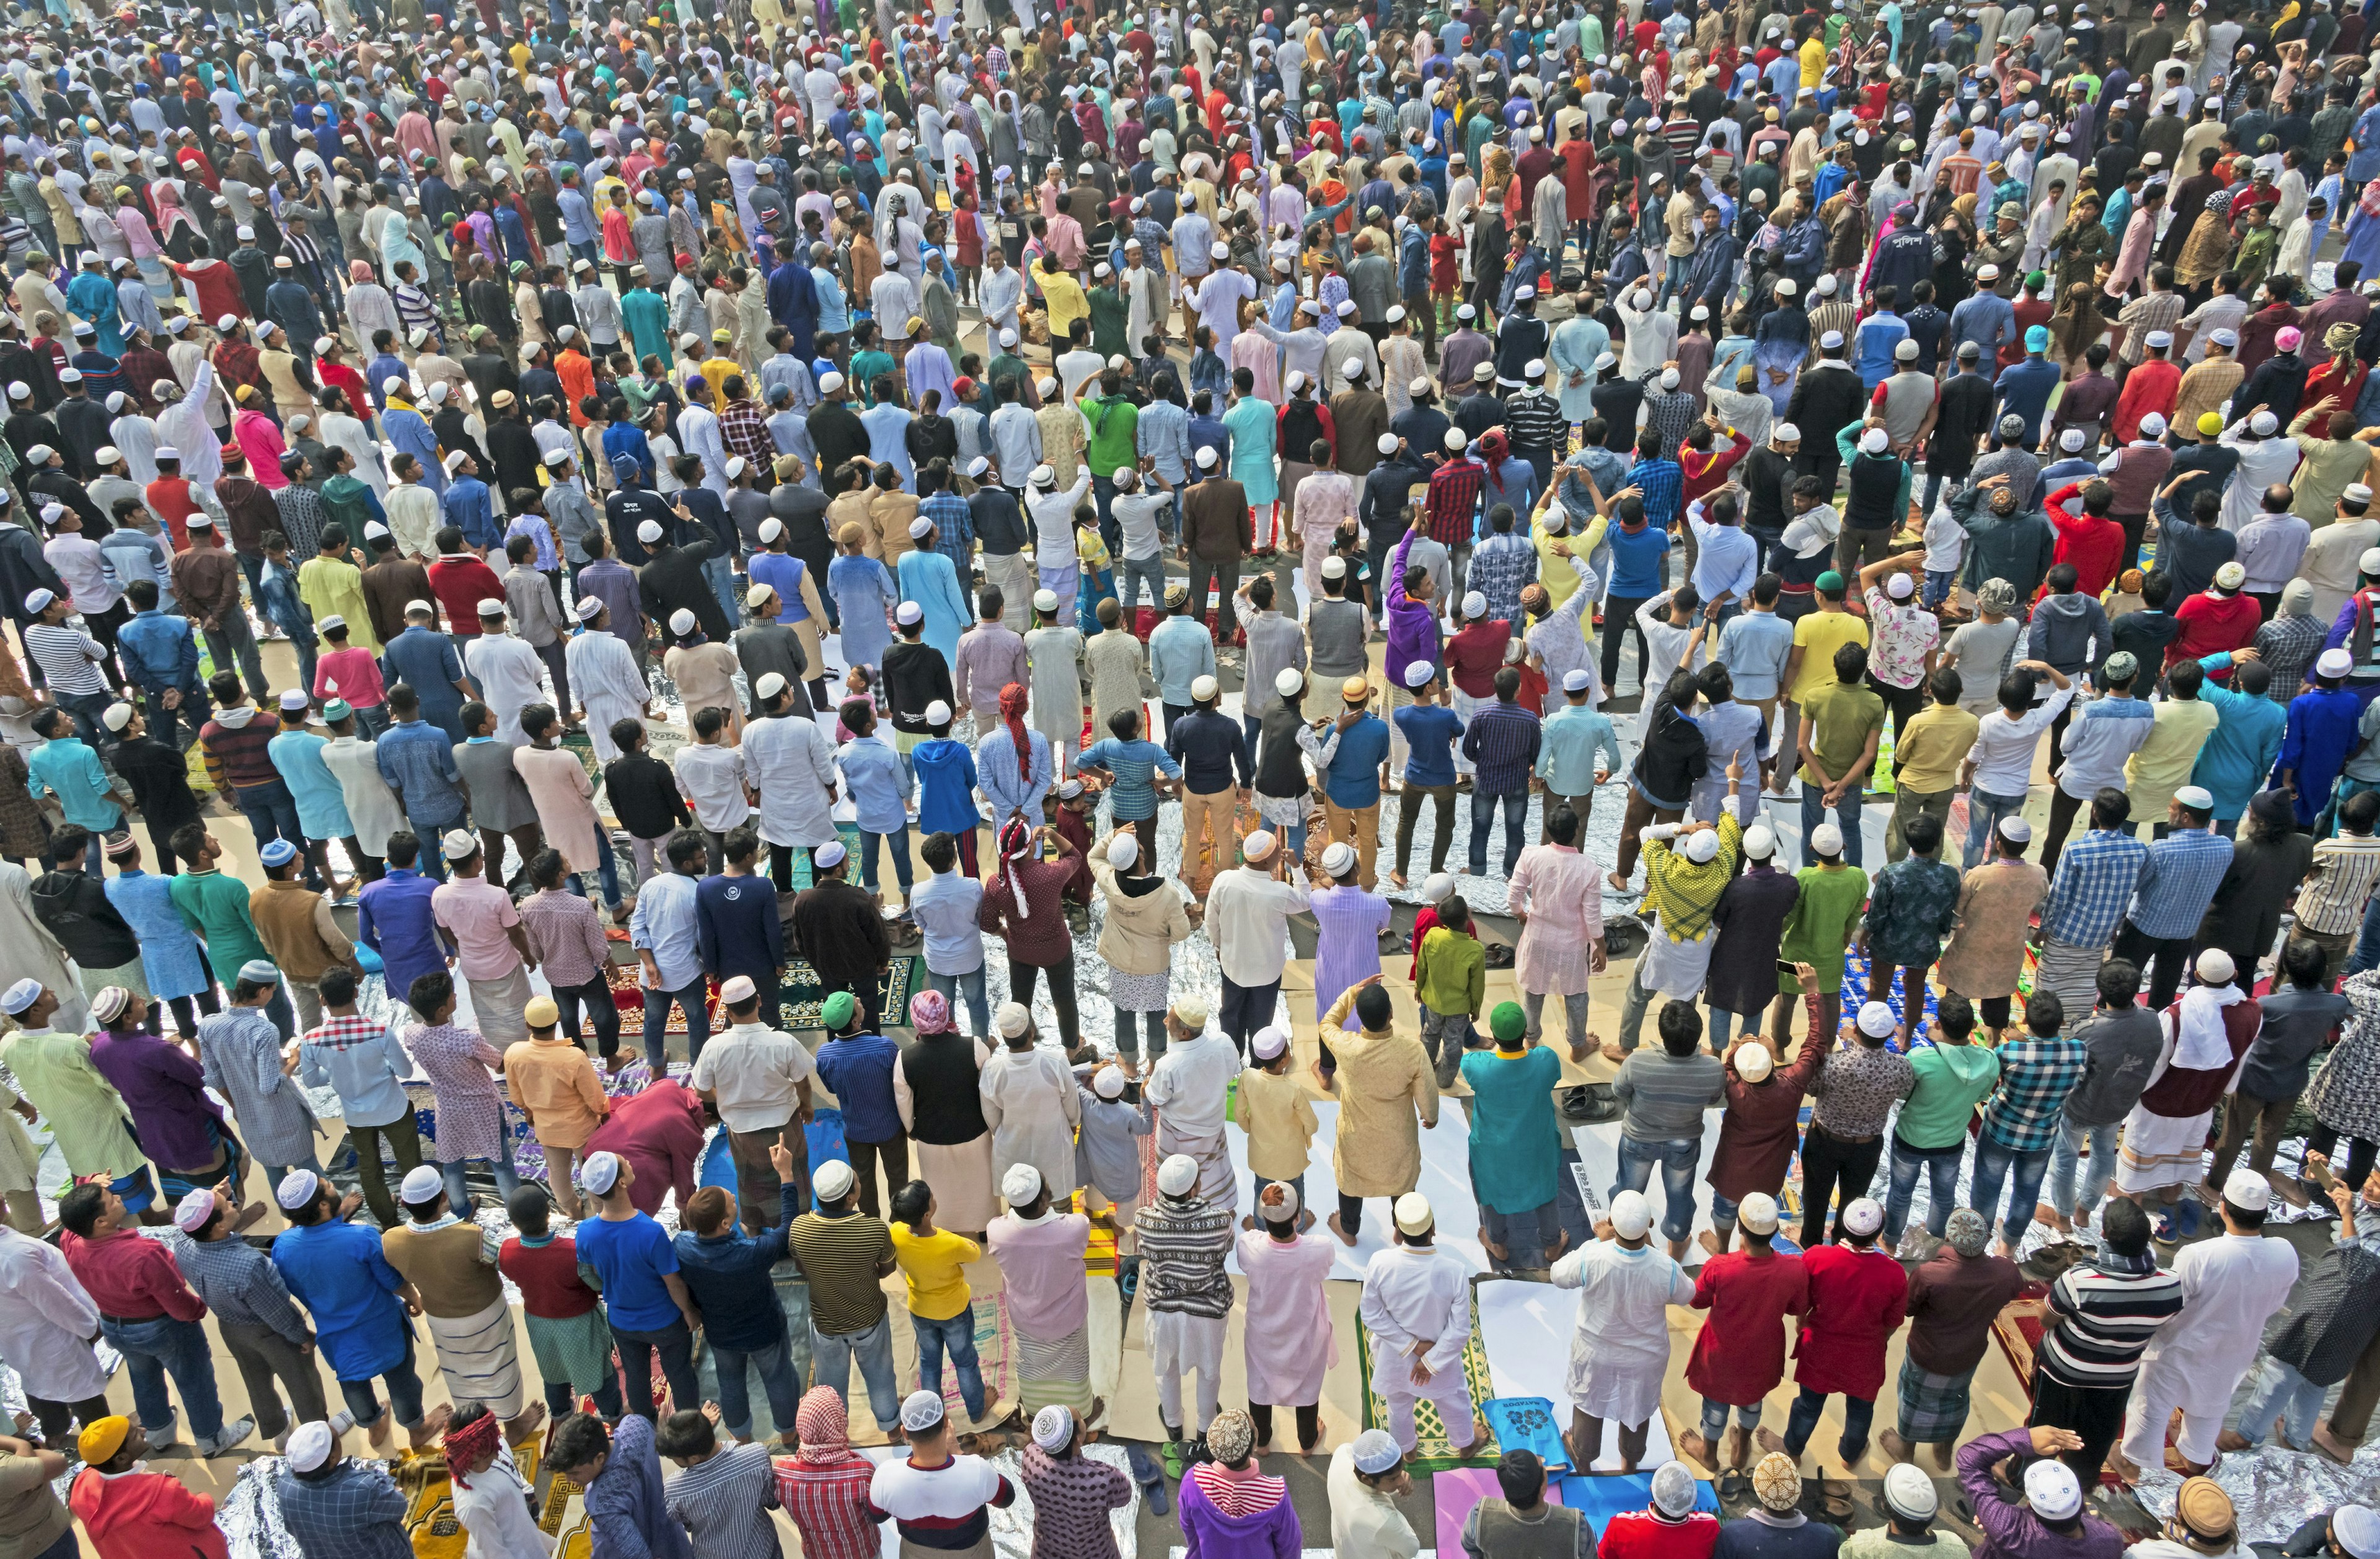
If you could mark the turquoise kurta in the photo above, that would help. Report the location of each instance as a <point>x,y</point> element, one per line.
<point>322,803</point>
<point>1253,424</point>
<point>1515,1141</point>
<point>932,581</point>
<point>1577,343</point>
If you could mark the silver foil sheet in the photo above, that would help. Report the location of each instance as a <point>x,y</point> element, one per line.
<point>2274,1490</point>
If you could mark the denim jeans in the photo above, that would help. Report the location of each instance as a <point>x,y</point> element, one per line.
<point>2066,1153</point>
<point>2024,1171</point>
<point>675,1342</point>
<point>1713,1424</point>
<point>1678,1160</point>
<point>153,1349</point>
<point>1527,1234</point>
<point>1941,1172</point>
<point>271,814</point>
<point>2281,1392</point>
<point>1803,1423</point>
<point>459,1189</point>
<point>1846,818</point>
<point>832,1354</point>
<point>1129,1040</point>
<point>779,1378</point>
<point>1483,818</point>
<point>1983,813</point>
<point>403,1393</point>
<point>899,840</point>
<point>954,1336</point>
<point>719,573</point>
<point>697,1026</point>
<point>978,1005</point>
<point>607,872</point>
<point>2367,941</point>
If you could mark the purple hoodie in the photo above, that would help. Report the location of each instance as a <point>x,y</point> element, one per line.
<point>1210,1532</point>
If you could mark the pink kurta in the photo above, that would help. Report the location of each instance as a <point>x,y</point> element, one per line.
<point>1559,889</point>
<point>1290,1339</point>
<point>1323,500</point>
<point>560,788</point>
<point>1262,358</point>
<point>261,439</point>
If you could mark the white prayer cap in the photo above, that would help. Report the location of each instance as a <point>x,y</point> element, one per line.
<point>683,621</point>
<point>1045,600</point>
<point>2248,1190</point>
<point>1387,443</point>
<point>1205,687</point>
<point>1413,1213</point>
<point>921,1410</point>
<point>1108,1083</point>
<point>1701,846</point>
<point>770,684</point>
<point>2071,440</point>
<point>422,1184</point>
<point>1900,587</point>
<point>1874,440</point>
<point>2152,425</point>
<point>296,1188</point>
<point>1177,1175</point>
<point>116,716</point>
<point>2016,831</point>
<point>1420,673</point>
<point>2335,662</point>
<point>1334,567</point>
<point>1905,352</point>
<point>1824,286</point>
<point>1833,340</point>
<point>1438,887</point>
<point>1260,845</point>
<point>650,531</point>
<point>2197,797</point>
<point>1876,1019</point>
<point>1289,683</point>
<point>1863,1217</point>
<point>1673,1488</point>
<point>1578,679</point>
<point>1207,457</point>
<point>1759,841</point>
<point>602,1171</point>
<point>1054,1425</point>
<point>311,1447</point>
<point>833,1180</point>
<point>1754,1062</point>
<point>1269,1042</point>
<point>1757,1213</point>
<point>2053,1491</point>
<point>2215,966</point>
<point>588,608</point>
<point>1670,379</point>
<point>21,995</point>
<point>1013,1019</point>
<point>1630,1214</point>
<point>830,383</point>
<point>1911,1493</point>
<point>1339,859</point>
<point>909,613</point>
<point>1826,839</point>
<point>1020,1184</point>
<point>2263,424</point>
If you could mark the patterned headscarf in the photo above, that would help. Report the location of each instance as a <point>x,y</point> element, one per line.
<point>469,1443</point>
<point>1012,700</point>
<point>1016,839</point>
<point>824,1425</point>
<point>929,1012</point>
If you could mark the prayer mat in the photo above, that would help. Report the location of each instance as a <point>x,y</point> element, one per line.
<point>995,1355</point>
<point>803,994</point>
<point>1615,1494</point>
<point>1434,1452</point>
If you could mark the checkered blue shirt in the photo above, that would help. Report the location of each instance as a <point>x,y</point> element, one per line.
<point>2096,877</point>
<point>957,522</point>
<point>2178,881</point>
<point>2036,1075</point>
<point>1500,565</point>
<point>1663,482</point>
<point>356,1510</point>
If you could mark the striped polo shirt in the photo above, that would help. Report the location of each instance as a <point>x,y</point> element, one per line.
<point>2105,1313</point>
<point>68,658</point>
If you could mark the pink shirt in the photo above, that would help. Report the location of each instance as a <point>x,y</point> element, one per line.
<point>1041,1269</point>
<point>262,441</point>
<point>475,912</point>
<point>351,673</point>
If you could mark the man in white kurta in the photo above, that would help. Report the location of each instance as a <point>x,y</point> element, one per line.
<point>604,677</point>
<point>1417,1308</point>
<point>1620,1344</point>
<point>47,1320</point>
<point>372,806</point>
<point>510,675</point>
<point>1031,1104</point>
<point>790,760</point>
<point>1055,654</point>
<point>2231,1288</point>
<point>1190,1086</point>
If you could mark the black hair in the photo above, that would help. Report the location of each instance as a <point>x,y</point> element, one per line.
<point>1681,1027</point>
<point>430,991</point>
<point>909,1201</point>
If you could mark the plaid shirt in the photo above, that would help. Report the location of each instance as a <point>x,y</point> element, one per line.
<point>1453,499</point>
<point>240,1284</point>
<point>2096,877</point>
<point>2178,882</point>
<point>1672,414</point>
<point>357,1510</point>
<point>1500,565</point>
<point>957,522</point>
<point>2036,1075</point>
<point>745,431</point>
<point>829,1507</point>
<point>1664,483</point>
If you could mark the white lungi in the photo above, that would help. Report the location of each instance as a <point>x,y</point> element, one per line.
<point>1179,1343</point>
<point>480,1358</point>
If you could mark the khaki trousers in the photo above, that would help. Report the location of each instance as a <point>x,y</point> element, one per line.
<point>559,1163</point>
<point>1207,836</point>
<point>1907,804</point>
<point>1359,826</point>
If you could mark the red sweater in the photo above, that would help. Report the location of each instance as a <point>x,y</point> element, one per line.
<point>146,1515</point>
<point>548,1276</point>
<point>1639,1534</point>
<point>2094,546</point>
<point>2211,621</point>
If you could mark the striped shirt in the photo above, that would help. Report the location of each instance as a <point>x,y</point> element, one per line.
<point>2346,871</point>
<point>945,1507</point>
<point>1666,1094</point>
<point>724,1502</point>
<point>1453,501</point>
<point>2106,1312</point>
<point>1502,743</point>
<point>1182,1246</point>
<point>68,657</point>
<point>827,1504</point>
<point>565,936</point>
<point>840,1255</point>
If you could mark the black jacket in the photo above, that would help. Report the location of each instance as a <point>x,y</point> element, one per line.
<point>673,579</point>
<point>1828,400</point>
<point>75,908</point>
<point>159,777</point>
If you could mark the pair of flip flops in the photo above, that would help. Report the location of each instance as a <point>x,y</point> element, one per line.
<point>2178,1222</point>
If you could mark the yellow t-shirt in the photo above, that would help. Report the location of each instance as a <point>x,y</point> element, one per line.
<point>1818,636</point>
<point>934,1267</point>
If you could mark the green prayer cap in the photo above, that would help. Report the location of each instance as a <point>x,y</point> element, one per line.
<point>1507,1022</point>
<point>836,1011</point>
<point>1830,582</point>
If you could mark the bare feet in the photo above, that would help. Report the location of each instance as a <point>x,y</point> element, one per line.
<point>528,1424</point>
<point>1770,1440</point>
<point>2232,1440</point>
<point>1305,1219</point>
<point>1618,883</point>
<point>1396,879</point>
<point>433,1424</point>
<point>1501,1252</point>
<point>1249,1222</point>
<point>2123,1466</point>
<point>1614,1054</point>
<point>1697,1448</point>
<point>248,1218</point>
<point>1709,1239</point>
<point>1561,1244</point>
<point>1944,1456</point>
<point>2331,1445</point>
<point>2175,1462</point>
<point>1738,1448</point>
<point>1895,1447</point>
<point>1344,1238</point>
<point>377,1431</point>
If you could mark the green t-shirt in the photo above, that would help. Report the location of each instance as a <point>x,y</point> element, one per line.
<point>1109,423</point>
<point>1819,926</point>
<point>1843,716</point>
<point>1951,1080</point>
<point>865,369</point>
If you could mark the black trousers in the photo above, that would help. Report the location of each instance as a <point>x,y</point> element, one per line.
<point>185,1020</point>
<point>602,1010</point>
<point>58,1419</point>
<point>2096,1413</point>
<point>1827,1163</point>
<point>1309,1423</point>
<point>1062,995</point>
<point>2361,1151</point>
<point>1619,621</point>
<point>866,1156</point>
<point>2063,810</point>
<point>2137,947</point>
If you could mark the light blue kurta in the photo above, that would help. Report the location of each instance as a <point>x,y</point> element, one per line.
<point>241,1052</point>
<point>932,581</point>
<point>170,960</point>
<point>321,802</point>
<point>1577,343</point>
<point>1515,1142</point>
<point>864,593</point>
<point>1253,425</point>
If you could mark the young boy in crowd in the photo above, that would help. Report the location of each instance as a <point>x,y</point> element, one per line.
<point>644,796</point>
<point>567,1331</point>
<point>1450,981</point>
<point>942,1308</point>
<point>1274,1109</point>
<point>1107,1155</point>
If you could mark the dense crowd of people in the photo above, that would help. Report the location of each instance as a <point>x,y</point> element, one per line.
<point>569,399</point>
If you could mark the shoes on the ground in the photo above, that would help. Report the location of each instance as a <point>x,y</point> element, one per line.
<point>231,1434</point>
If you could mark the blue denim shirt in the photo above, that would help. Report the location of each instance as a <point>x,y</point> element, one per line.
<point>858,1068</point>
<point>879,786</point>
<point>417,761</point>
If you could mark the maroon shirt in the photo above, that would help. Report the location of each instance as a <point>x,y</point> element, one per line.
<point>1953,1300</point>
<point>1762,1127</point>
<point>658,1132</point>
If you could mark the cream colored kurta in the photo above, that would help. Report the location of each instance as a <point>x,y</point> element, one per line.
<point>28,950</point>
<point>1385,1092</point>
<point>85,1114</point>
<point>1032,1105</point>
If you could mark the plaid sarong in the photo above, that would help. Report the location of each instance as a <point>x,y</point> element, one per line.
<point>1933,1408</point>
